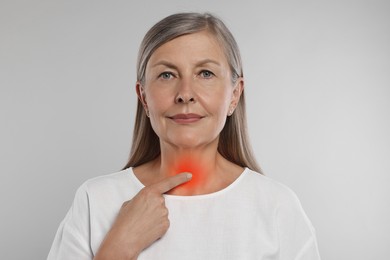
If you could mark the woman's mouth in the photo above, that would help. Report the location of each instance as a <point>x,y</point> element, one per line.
<point>186,118</point>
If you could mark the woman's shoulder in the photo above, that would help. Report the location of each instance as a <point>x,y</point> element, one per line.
<point>269,188</point>
<point>106,179</point>
<point>277,197</point>
<point>120,182</point>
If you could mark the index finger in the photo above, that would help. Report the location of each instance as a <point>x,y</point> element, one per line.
<point>172,182</point>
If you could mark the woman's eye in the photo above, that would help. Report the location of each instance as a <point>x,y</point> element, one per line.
<point>206,74</point>
<point>166,75</point>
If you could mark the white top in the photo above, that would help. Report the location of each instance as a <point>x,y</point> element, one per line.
<point>253,218</point>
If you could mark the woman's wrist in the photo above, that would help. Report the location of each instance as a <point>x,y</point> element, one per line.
<point>113,247</point>
<point>109,252</point>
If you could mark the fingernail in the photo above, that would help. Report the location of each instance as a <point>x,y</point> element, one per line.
<point>189,175</point>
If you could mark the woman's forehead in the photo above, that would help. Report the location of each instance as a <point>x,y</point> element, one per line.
<point>195,47</point>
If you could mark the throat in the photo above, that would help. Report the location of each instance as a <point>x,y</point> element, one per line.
<point>202,177</point>
<point>211,172</point>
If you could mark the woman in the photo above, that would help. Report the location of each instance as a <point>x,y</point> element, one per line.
<point>192,188</point>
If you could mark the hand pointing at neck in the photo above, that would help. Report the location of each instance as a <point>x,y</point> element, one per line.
<point>140,221</point>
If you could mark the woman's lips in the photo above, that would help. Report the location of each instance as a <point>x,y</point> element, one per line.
<point>186,118</point>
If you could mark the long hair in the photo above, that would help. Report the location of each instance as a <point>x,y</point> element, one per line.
<point>233,141</point>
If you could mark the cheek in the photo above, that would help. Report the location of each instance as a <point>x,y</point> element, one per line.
<point>217,100</point>
<point>219,106</point>
<point>155,107</point>
<point>157,101</point>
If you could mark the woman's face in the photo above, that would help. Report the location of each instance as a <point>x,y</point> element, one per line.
<point>188,90</point>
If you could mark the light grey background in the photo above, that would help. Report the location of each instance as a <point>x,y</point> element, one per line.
<point>318,89</point>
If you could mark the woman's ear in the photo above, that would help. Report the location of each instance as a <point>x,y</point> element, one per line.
<point>141,96</point>
<point>236,94</point>
<point>140,92</point>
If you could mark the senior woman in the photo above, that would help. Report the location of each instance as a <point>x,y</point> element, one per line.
<point>192,188</point>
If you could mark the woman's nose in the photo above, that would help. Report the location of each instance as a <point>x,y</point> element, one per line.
<point>185,93</point>
<point>184,100</point>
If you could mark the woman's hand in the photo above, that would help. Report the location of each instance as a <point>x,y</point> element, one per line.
<point>140,222</point>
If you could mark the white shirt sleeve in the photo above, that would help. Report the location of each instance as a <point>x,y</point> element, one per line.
<point>72,240</point>
<point>296,234</point>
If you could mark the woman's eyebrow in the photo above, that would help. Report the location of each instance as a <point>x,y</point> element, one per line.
<point>197,64</point>
<point>205,61</point>
<point>165,63</point>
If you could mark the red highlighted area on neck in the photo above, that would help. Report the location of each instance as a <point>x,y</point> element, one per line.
<point>188,164</point>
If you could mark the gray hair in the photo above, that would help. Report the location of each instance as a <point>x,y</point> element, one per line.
<point>233,142</point>
<point>180,24</point>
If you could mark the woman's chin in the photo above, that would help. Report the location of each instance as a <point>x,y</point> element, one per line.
<point>189,139</point>
<point>187,142</point>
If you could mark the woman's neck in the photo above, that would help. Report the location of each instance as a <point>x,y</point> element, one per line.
<point>202,163</point>
<point>210,171</point>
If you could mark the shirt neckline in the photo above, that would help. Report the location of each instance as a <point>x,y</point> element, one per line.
<point>194,197</point>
